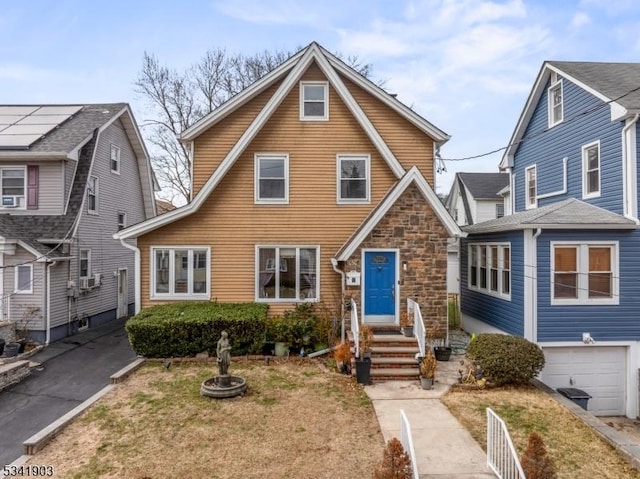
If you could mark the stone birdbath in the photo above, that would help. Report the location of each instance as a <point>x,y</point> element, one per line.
<point>223,385</point>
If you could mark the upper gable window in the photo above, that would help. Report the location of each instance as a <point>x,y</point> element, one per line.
<point>272,178</point>
<point>556,108</point>
<point>13,187</point>
<point>92,195</point>
<point>115,159</point>
<point>591,170</point>
<point>353,178</point>
<point>531,187</point>
<point>314,101</point>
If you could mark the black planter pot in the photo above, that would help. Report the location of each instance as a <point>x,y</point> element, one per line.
<point>2,343</point>
<point>11,350</point>
<point>22,343</point>
<point>363,370</point>
<point>442,353</point>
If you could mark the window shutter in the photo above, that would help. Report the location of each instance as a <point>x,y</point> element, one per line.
<point>32,187</point>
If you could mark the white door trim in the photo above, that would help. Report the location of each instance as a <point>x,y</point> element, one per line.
<point>396,292</point>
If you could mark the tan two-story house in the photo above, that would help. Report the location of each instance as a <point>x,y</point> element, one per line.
<point>313,184</point>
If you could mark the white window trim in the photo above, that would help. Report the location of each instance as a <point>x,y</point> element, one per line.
<point>353,156</point>
<point>277,272</point>
<point>585,181</point>
<point>181,296</point>
<point>325,84</point>
<point>96,194</point>
<point>552,87</point>
<point>89,273</point>
<point>527,200</point>
<point>24,196</point>
<point>256,186</point>
<point>501,246</point>
<point>583,273</point>
<point>117,149</point>
<point>16,289</point>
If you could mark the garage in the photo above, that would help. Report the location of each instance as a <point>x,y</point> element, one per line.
<point>598,370</point>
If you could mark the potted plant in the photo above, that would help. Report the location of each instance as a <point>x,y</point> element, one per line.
<point>428,367</point>
<point>406,324</point>
<point>363,361</point>
<point>442,352</point>
<point>342,355</point>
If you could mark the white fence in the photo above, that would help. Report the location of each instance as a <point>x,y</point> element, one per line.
<point>407,442</point>
<point>413,308</point>
<point>355,328</point>
<point>502,458</point>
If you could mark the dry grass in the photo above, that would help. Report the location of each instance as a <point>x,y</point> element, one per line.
<point>576,450</point>
<point>297,420</point>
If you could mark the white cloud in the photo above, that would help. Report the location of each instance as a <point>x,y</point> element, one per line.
<point>579,20</point>
<point>281,12</point>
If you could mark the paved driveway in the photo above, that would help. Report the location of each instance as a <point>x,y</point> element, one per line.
<point>74,370</point>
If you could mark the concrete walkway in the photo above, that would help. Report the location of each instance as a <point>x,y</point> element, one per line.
<point>444,448</point>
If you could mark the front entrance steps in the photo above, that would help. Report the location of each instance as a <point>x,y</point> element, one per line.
<point>393,356</point>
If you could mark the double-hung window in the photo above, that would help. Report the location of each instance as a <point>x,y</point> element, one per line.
<point>353,178</point>
<point>180,273</point>
<point>85,263</point>
<point>115,159</point>
<point>271,178</point>
<point>287,273</point>
<point>556,107</point>
<point>122,221</point>
<point>314,101</point>
<point>490,269</point>
<point>591,170</point>
<point>584,273</point>
<point>92,195</point>
<point>24,279</point>
<point>531,188</point>
<point>13,187</point>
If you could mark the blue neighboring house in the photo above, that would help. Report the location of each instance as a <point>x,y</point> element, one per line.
<point>564,269</point>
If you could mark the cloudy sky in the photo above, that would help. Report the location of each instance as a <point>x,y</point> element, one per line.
<point>465,65</point>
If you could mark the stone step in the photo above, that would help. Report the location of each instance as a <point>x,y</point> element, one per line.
<point>397,374</point>
<point>394,351</point>
<point>393,362</point>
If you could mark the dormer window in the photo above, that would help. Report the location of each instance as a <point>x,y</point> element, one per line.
<point>314,101</point>
<point>13,187</point>
<point>556,107</point>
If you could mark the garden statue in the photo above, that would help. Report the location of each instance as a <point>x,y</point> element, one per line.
<point>223,351</point>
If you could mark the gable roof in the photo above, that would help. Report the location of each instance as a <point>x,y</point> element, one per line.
<point>484,186</point>
<point>614,83</point>
<point>75,139</point>
<point>289,73</point>
<point>567,214</point>
<point>413,176</point>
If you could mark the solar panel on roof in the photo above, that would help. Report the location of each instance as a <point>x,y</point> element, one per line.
<point>27,130</point>
<point>17,141</point>
<point>17,110</point>
<point>10,119</point>
<point>24,125</point>
<point>41,119</point>
<point>58,110</point>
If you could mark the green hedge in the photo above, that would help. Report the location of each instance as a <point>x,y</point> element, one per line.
<point>506,359</point>
<point>186,329</point>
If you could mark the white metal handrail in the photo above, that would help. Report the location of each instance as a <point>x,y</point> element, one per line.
<point>419,330</point>
<point>502,458</point>
<point>355,327</point>
<point>407,442</point>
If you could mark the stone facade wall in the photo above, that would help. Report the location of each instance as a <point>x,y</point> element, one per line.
<point>413,227</point>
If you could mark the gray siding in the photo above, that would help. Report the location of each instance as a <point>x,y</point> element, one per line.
<point>50,188</point>
<point>69,172</point>
<point>18,303</point>
<point>117,193</point>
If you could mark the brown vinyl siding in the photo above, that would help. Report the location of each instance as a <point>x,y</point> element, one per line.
<point>233,225</point>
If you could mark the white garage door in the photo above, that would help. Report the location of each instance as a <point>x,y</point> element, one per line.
<point>598,370</point>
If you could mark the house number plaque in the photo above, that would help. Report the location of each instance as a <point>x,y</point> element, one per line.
<point>380,260</point>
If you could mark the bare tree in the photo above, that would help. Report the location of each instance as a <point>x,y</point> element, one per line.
<point>177,100</point>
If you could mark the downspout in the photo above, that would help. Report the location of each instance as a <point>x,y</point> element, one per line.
<point>136,274</point>
<point>534,286</point>
<point>48,293</point>
<point>629,197</point>
<point>334,264</point>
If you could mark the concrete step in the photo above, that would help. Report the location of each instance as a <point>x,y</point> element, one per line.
<point>394,363</point>
<point>394,351</point>
<point>394,374</point>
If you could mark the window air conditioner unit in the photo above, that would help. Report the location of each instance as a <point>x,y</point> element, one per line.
<point>87,283</point>
<point>10,201</point>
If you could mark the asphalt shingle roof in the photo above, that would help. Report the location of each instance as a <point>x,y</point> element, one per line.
<point>570,213</point>
<point>484,186</point>
<point>610,79</point>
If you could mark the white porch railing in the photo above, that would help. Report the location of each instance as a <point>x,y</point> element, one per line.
<point>407,442</point>
<point>419,330</point>
<point>502,458</point>
<point>355,327</point>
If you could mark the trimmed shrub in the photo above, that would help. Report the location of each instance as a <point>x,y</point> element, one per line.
<point>188,328</point>
<point>396,463</point>
<point>506,359</point>
<point>536,462</point>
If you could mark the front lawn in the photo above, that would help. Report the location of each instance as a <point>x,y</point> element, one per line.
<point>297,420</point>
<point>576,450</point>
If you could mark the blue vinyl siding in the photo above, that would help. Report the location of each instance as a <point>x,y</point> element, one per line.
<point>604,322</point>
<point>547,150</point>
<point>499,313</point>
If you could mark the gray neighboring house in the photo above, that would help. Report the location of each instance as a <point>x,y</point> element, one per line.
<point>473,198</point>
<point>70,176</point>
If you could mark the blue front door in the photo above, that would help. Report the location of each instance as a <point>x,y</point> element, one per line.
<point>379,286</point>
